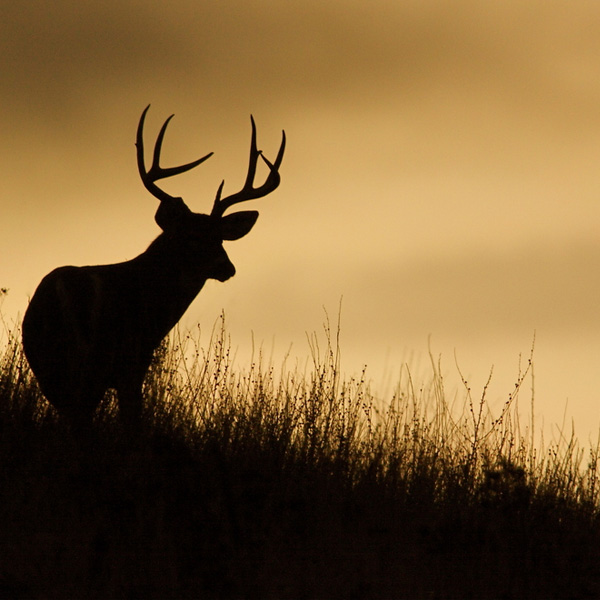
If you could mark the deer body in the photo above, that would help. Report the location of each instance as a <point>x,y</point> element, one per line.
<point>88,329</point>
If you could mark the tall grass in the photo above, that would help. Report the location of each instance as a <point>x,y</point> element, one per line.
<point>287,483</point>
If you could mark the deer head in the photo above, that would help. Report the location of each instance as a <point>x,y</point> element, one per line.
<point>199,236</point>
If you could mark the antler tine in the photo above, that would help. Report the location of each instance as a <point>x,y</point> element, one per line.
<point>248,191</point>
<point>275,166</point>
<point>157,172</point>
<point>254,153</point>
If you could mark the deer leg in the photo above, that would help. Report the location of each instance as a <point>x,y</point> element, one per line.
<point>130,405</point>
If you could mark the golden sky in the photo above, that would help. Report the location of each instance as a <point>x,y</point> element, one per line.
<point>442,171</point>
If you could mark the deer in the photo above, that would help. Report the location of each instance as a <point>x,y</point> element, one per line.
<point>89,329</point>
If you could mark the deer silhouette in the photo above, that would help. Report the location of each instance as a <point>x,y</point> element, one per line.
<point>88,329</point>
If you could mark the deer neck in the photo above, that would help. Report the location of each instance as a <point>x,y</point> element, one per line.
<point>169,281</point>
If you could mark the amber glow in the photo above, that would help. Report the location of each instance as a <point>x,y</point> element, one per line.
<point>441,172</point>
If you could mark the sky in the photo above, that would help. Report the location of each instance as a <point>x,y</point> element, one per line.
<point>440,181</point>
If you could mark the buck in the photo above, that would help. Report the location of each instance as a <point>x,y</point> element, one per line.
<point>88,329</point>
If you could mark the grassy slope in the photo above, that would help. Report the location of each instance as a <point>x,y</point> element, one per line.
<point>295,486</point>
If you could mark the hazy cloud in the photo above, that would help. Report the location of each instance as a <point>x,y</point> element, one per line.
<point>53,55</point>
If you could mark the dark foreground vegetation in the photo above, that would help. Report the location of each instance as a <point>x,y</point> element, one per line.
<point>288,485</point>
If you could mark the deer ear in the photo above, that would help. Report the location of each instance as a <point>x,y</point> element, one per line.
<point>237,225</point>
<point>170,213</point>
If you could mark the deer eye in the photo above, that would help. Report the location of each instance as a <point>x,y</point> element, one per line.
<point>202,241</point>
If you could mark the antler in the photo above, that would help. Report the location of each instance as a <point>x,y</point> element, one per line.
<point>156,172</point>
<point>249,192</point>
